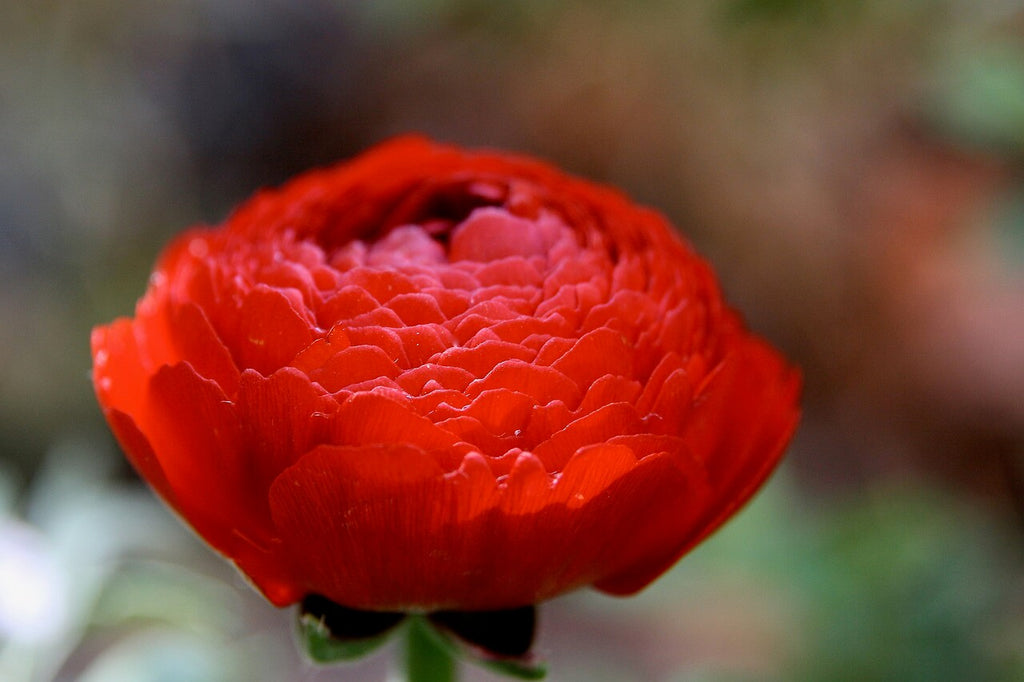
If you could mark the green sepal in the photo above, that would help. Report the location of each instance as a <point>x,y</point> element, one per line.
<point>322,647</point>
<point>525,667</point>
<point>331,632</point>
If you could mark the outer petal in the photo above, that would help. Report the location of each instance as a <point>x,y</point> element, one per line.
<point>198,343</point>
<point>382,527</point>
<point>738,430</point>
<point>140,453</point>
<point>282,417</point>
<point>206,491</point>
<point>198,440</point>
<point>118,373</point>
<point>356,523</point>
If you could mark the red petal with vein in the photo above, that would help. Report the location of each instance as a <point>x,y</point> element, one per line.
<point>271,331</point>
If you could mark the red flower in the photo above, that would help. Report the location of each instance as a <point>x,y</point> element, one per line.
<point>437,379</point>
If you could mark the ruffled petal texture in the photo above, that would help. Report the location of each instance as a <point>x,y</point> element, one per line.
<point>433,379</point>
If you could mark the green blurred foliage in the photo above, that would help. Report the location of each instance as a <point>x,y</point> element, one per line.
<point>1009,227</point>
<point>909,587</point>
<point>979,97</point>
<point>812,12</point>
<point>904,583</point>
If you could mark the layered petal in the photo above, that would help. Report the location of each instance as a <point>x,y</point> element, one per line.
<point>382,527</point>
<point>437,379</point>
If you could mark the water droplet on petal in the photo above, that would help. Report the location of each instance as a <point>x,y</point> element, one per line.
<point>198,248</point>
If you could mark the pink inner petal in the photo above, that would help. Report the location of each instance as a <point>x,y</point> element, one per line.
<point>491,233</point>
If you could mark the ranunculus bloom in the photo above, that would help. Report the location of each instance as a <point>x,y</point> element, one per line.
<point>437,379</point>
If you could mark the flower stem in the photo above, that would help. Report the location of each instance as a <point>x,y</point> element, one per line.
<point>426,657</point>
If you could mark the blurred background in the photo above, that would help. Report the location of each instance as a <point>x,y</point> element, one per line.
<point>853,168</point>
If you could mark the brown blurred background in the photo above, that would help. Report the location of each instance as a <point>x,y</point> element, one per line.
<point>853,168</point>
